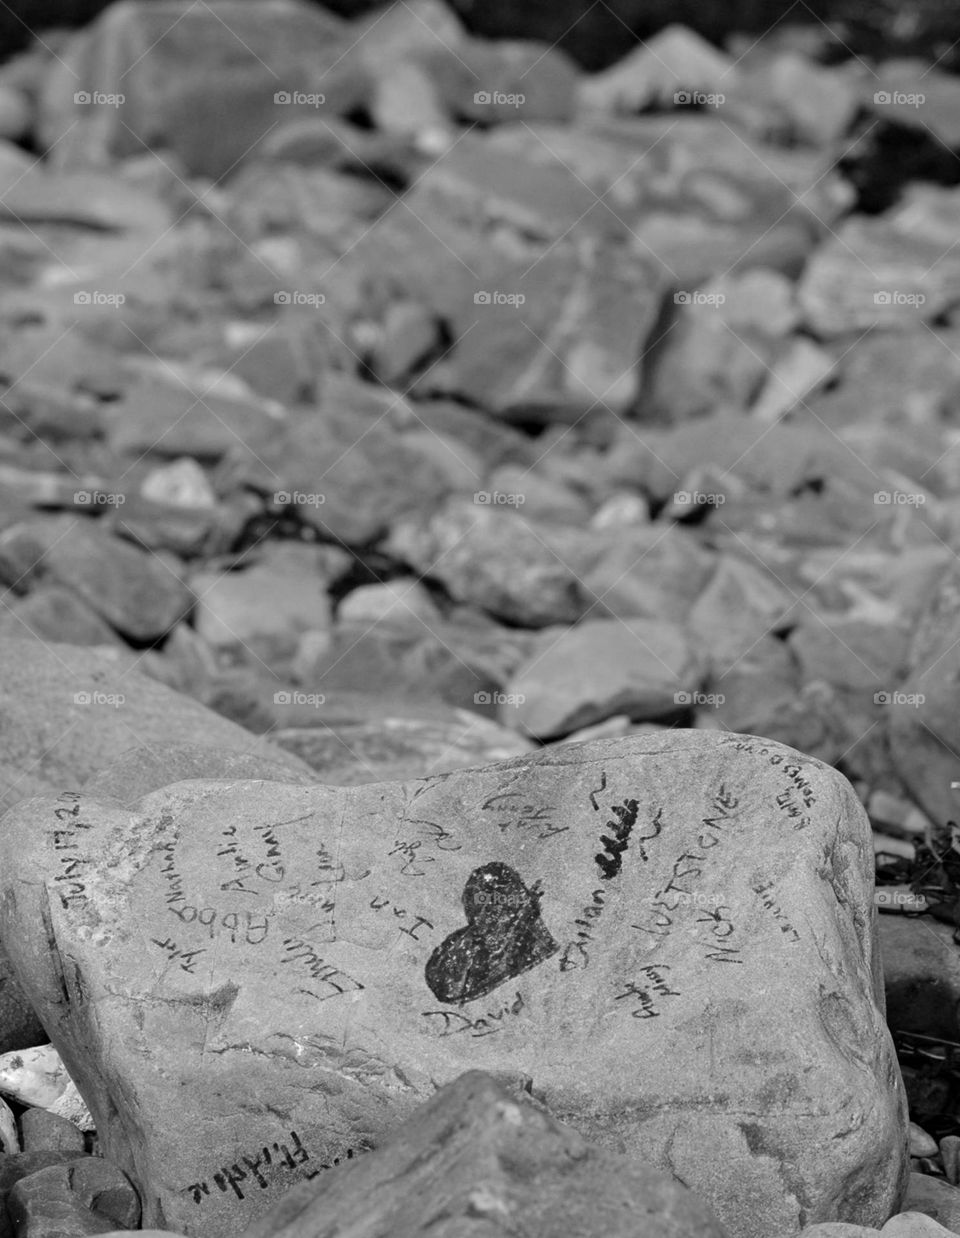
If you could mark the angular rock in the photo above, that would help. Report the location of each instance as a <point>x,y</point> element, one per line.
<point>445,919</point>
<point>598,669</point>
<point>877,272</point>
<point>138,594</point>
<point>351,478</point>
<point>917,95</point>
<point>83,1197</point>
<point>48,1132</point>
<point>509,80</point>
<point>282,595</point>
<point>55,613</point>
<point>202,83</point>
<point>716,349</point>
<point>568,332</point>
<point>819,103</point>
<point>739,606</point>
<point>166,418</point>
<point>665,71</point>
<point>70,711</point>
<point>477,1155</point>
<point>498,561</point>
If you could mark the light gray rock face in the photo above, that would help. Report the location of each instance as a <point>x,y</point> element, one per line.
<point>672,934</point>
<point>67,711</point>
<point>488,1161</point>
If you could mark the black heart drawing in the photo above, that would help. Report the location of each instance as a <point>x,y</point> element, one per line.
<point>504,936</point>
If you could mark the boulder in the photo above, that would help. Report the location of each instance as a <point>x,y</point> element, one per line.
<point>69,711</point>
<point>310,963</point>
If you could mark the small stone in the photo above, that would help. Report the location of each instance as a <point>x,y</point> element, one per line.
<point>663,71</point>
<point>921,1144</point>
<point>44,1131</point>
<point>181,483</point>
<point>401,600</point>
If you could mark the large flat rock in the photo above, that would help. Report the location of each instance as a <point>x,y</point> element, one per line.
<point>672,934</point>
<point>67,710</point>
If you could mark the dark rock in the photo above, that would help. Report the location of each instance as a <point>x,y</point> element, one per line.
<point>87,1196</point>
<point>482,1156</point>
<point>43,1131</point>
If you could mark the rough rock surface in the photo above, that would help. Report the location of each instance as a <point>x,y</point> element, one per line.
<point>80,708</point>
<point>488,1161</point>
<point>671,934</point>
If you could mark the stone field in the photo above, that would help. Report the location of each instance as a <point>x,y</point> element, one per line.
<point>479,620</point>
